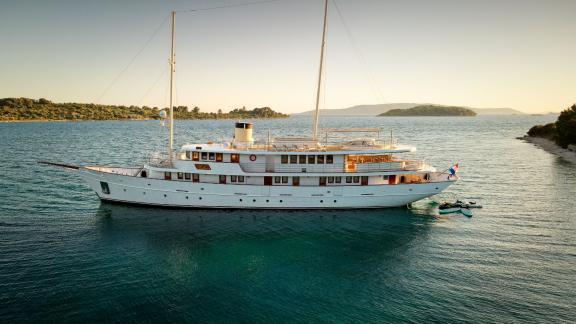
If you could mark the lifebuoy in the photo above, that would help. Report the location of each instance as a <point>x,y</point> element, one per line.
<point>252,157</point>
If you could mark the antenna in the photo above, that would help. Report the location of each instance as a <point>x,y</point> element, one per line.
<point>317,112</point>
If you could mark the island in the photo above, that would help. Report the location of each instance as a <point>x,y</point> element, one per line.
<point>559,137</point>
<point>25,109</point>
<point>430,110</point>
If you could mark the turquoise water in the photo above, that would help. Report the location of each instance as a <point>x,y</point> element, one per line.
<point>65,257</point>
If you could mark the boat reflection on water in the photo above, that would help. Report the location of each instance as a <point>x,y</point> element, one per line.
<point>377,236</point>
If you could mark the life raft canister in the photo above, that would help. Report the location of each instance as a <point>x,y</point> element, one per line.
<point>252,157</point>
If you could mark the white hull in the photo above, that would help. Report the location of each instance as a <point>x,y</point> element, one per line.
<point>156,192</point>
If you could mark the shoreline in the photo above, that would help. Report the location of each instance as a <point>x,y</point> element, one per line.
<point>551,147</point>
<point>113,120</point>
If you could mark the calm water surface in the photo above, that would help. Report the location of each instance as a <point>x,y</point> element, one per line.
<point>65,257</point>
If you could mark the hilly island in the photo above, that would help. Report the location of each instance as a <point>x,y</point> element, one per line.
<point>25,109</point>
<point>430,110</point>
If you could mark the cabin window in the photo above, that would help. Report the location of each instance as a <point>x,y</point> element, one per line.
<point>211,156</point>
<point>364,181</point>
<point>277,179</point>
<point>167,176</point>
<point>384,177</point>
<point>293,159</point>
<point>195,156</point>
<point>233,178</point>
<point>322,181</point>
<point>222,179</point>
<point>330,179</point>
<point>338,179</point>
<point>202,166</point>
<point>195,177</point>
<point>186,176</point>
<point>320,159</point>
<point>188,155</point>
<point>284,179</point>
<point>311,159</point>
<point>402,179</point>
<point>204,156</point>
<point>356,179</point>
<point>235,158</point>
<point>240,178</point>
<point>284,159</point>
<point>219,157</point>
<point>104,187</point>
<point>180,175</point>
<point>302,159</point>
<point>295,181</point>
<point>329,159</point>
<point>348,179</point>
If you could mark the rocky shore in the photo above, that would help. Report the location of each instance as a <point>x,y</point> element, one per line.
<point>553,148</point>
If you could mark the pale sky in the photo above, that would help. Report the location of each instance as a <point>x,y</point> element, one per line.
<point>519,54</point>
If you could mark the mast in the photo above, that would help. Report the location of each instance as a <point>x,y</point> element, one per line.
<point>317,112</point>
<point>172,70</point>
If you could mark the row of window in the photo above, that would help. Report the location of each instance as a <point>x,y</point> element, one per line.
<point>195,177</point>
<point>307,159</point>
<point>210,156</point>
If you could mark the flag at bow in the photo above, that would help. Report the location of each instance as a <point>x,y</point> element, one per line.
<point>453,169</point>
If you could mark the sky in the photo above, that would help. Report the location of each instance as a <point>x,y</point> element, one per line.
<point>517,54</point>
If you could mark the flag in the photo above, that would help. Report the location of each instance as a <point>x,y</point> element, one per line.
<point>453,169</point>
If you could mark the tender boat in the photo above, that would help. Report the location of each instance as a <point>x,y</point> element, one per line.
<point>275,173</point>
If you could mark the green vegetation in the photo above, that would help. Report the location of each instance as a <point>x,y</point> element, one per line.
<point>430,110</point>
<point>563,131</point>
<point>18,109</point>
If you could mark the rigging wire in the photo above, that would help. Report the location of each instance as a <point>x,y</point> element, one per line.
<point>229,6</point>
<point>133,59</point>
<point>371,80</point>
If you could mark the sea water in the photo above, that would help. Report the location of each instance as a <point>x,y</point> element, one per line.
<point>66,257</point>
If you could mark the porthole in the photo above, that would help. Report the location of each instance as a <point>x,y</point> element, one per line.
<point>164,195</point>
<point>280,200</point>
<point>335,200</point>
<point>267,200</point>
<point>124,190</point>
<point>253,200</point>
<point>201,188</point>
<point>186,197</point>
<point>240,200</point>
<point>436,188</point>
<point>144,192</point>
<point>321,201</point>
<point>200,198</point>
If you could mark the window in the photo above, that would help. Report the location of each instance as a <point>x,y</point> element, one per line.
<point>322,181</point>
<point>330,179</point>
<point>320,159</point>
<point>143,174</point>
<point>104,187</point>
<point>202,167</point>
<point>356,179</point>
<point>284,159</point>
<point>222,179</point>
<point>235,158</point>
<point>348,179</point>
<point>277,179</point>
<point>338,179</point>
<point>364,181</point>
<point>219,157</point>
<point>284,179</point>
<point>195,177</point>
<point>167,176</point>
<point>295,181</point>
<point>329,159</point>
<point>311,159</point>
<point>204,156</point>
<point>188,155</point>
<point>384,177</point>
<point>233,178</point>
<point>180,176</point>
<point>302,159</point>
<point>195,156</point>
<point>211,156</point>
<point>240,178</point>
<point>293,159</point>
<point>186,176</point>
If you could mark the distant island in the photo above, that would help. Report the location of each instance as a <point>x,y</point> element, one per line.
<point>375,110</point>
<point>430,110</point>
<point>558,137</point>
<point>25,109</point>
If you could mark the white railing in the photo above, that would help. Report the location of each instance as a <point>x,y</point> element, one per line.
<point>321,168</point>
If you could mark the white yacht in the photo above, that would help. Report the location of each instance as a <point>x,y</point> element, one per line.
<point>276,173</point>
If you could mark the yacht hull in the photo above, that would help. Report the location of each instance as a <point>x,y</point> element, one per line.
<point>185,194</point>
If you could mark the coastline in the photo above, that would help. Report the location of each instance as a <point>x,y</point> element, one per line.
<point>551,147</point>
<point>112,120</point>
